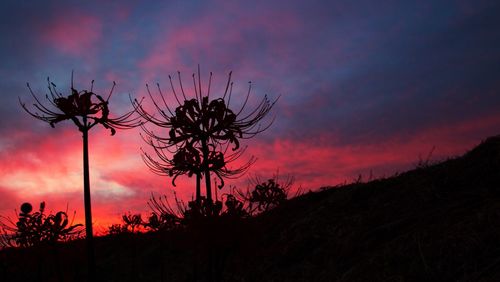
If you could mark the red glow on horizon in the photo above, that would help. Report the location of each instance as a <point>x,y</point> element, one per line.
<point>51,171</point>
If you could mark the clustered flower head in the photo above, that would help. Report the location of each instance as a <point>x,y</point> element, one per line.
<point>85,108</point>
<point>200,130</point>
<point>211,120</point>
<point>189,161</point>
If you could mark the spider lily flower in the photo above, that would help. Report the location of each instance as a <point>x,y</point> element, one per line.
<point>198,129</point>
<point>85,108</point>
<point>189,161</point>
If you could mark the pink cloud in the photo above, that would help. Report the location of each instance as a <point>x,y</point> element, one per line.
<point>75,33</point>
<point>323,163</point>
<point>224,43</point>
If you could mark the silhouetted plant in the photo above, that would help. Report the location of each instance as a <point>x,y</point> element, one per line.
<point>163,216</point>
<point>86,109</point>
<point>36,228</point>
<point>200,133</point>
<point>188,161</point>
<point>156,223</point>
<point>265,195</point>
<point>116,229</point>
<point>131,223</point>
<point>198,210</point>
<point>167,217</point>
<point>234,207</point>
<point>427,162</point>
<point>268,195</point>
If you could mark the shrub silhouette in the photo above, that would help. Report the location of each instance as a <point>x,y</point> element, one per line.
<point>166,217</point>
<point>163,216</point>
<point>265,195</point>
<point>200,132</point>
<point>234,208</point>
<point>198,210</point>
<point>116,229</point>
<point>86,109</point>
<point>37,228</point>
<point>131,223</point>
<point>268,195</point>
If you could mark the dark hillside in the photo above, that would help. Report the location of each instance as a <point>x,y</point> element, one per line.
<point>438,222</point>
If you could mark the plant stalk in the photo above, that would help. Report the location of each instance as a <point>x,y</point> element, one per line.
<point>87,202</point>
<point>208,184</point>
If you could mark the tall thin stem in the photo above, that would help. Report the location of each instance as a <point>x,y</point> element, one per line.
<point>198,188</point>
<point>208,184</point>
<point>87,202</point>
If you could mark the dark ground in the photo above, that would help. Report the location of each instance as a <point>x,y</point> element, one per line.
<point>439,222</point>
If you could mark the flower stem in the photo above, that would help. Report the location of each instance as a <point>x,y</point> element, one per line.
<point>88,211</point>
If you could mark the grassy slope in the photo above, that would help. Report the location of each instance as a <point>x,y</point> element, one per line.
<point>440,223</point>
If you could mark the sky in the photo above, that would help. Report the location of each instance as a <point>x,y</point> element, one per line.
<point>364,89</point>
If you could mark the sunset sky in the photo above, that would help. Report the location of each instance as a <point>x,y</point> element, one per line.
<point>365,89</point>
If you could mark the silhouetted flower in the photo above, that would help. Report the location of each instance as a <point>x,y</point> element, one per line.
<point>200,131</point>
<point>85,108</point>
